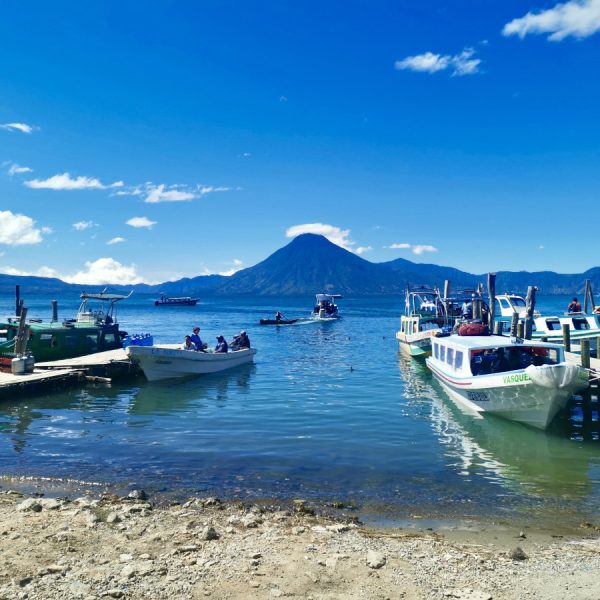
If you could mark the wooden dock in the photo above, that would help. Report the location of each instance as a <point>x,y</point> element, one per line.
<point>111,363</point>
<point>38,382</point>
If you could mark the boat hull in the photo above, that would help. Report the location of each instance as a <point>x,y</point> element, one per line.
<point>191,302</point>
<point>276,322</point>
<point>163,362</point>
<point>417,345</point>
<point>513,396</point>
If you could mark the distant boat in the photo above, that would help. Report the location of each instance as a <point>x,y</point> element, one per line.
<point>166,362</point>
<point>326,308</point>
<point>182,301</point>
<point>278,321</point>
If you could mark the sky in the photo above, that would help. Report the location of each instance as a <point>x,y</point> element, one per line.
<point>144,142</point>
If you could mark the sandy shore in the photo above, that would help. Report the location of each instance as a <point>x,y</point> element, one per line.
<point>110,547</point>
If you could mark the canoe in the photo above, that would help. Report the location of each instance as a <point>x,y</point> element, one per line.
<point>276,322</point>
<point>166,362</point>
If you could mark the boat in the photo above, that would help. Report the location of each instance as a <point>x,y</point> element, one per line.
<point>581,325</point>
<point>278,321</point>
<point>170,361</point>
<point>93,329</point>
<point>182,301</point>
<point>521,380</point>
<point>326,308</point>
<point>425,316</point>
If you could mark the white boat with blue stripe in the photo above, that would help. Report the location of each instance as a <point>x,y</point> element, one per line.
<point>520,380</point>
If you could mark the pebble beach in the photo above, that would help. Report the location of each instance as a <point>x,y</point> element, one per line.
<point>90,548</point>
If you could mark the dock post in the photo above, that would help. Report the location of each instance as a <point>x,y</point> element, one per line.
<point>21,337</point>
<point>17,300</point>
<point>529,309</point>
<point>477,314</point>
<point>513,325</point>
<point>566,337</point>
<point>521,329</point>
<point>54,311</point>
<point>585,353</point>
<point>491,299</point>
<point>498,327</point>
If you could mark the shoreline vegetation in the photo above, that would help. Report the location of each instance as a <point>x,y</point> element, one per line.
<point>105,546</point>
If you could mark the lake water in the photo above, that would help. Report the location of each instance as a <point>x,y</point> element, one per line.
<point>328,412</point>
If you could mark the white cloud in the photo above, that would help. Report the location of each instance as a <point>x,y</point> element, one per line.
<point>417,249</point>
<point>160,194</point>
<point>22,127</point>
<point>19,230</point>
<point>102,271</point>
<point>83,225</point>
<point>363,249</point>
<point>237,265</point>
<point>140,222</point>
<point>340,237</point>
<point>177,193</point>
<point>105,271</point>
<point>577,18</point>
<point>64,181</point>
<point>116,240</point>
<point>461,64</point>
<point>541,247</point>
<point>15,169</point>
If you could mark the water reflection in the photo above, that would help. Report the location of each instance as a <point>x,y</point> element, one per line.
<point>510,454</point>
<point>168,397</point>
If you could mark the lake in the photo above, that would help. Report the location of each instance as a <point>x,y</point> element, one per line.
<point>328,412</point>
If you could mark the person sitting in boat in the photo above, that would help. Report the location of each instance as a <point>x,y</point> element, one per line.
<point>221,346</point>
<point>574,306</point>
<point>195,337</point>
<point>240,341</point>
<point>188,344</point>
<point>108,320</point>
<point>501,364</point>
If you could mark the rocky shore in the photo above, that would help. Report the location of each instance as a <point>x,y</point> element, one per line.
<point>110,547</point>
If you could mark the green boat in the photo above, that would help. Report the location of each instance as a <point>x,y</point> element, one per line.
<point>92,331</point>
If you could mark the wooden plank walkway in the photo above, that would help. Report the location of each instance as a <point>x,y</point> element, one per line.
<point>111,363</point>
<point>38,382</point>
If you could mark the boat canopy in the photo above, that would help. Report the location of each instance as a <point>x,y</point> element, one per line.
<point>327,297</point>
<point>104,296</point>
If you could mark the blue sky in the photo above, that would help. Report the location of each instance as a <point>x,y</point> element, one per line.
<point>181,138</point>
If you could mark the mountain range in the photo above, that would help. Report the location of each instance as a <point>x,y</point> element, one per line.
<point>311,263</point>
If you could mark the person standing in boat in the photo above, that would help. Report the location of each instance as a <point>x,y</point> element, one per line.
<point>278,316</point>
<point>574,307</point>
<point>195,337</point>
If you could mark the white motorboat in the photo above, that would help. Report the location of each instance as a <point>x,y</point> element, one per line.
<point>581,325</point>
<point>168,362</point>
<point>424,317</point>
<point>526,381</point>
<point>326,308</point>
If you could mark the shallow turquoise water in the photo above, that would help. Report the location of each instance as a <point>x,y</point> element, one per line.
<point>329,411</point>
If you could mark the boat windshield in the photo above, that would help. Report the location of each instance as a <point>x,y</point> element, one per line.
<point>517,301</point>
<point>513,358</point>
